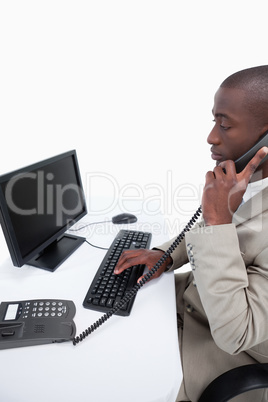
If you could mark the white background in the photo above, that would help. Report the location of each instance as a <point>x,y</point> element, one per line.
<point>129,85</point>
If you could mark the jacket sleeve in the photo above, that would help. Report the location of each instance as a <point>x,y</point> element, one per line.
<point>179,255</point>
<point>234,297</point>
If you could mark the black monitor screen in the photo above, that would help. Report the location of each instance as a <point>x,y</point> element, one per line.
<point>39,202</point>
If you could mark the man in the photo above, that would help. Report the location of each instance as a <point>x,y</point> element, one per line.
<point>222,303</point>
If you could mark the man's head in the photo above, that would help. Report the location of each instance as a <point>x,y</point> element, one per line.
<point>254,81</point>
<point>241,113</point>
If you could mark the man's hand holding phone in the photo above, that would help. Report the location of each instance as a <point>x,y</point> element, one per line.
<point>224,189</point>
<point>222,195</point>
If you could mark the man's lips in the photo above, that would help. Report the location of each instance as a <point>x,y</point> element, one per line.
<point>215,155</point>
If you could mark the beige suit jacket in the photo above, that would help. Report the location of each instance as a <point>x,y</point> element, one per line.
<point>222,304</point>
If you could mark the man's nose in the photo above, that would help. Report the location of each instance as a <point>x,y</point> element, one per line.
<point>213,137</point>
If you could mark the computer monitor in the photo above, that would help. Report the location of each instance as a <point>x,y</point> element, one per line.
<point>38,203</point>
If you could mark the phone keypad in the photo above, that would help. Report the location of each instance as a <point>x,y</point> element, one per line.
<point>44,309</point>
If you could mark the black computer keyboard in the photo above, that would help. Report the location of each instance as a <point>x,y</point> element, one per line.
<point>107,289</point>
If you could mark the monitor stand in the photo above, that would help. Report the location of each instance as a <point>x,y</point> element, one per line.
<point>57,252</point>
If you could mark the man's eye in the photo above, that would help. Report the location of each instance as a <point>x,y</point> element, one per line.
<point>224,127</point>
<point>221,125</point>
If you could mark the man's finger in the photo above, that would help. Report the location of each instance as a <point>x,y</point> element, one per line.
<point>250,168</point>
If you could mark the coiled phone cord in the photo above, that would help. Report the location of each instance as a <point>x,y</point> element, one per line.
<point>138,285</point>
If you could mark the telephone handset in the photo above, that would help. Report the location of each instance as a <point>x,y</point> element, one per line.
<point>240,164</point>
<point>36,322</point>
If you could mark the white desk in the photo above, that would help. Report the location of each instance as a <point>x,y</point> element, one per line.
<point>134,359</point>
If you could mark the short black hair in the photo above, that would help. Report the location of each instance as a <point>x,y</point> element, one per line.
<point>254,81</point>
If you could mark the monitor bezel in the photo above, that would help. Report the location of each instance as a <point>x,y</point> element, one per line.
<point>18,259</point>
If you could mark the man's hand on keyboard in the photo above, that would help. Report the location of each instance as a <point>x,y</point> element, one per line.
<point>146,257</point>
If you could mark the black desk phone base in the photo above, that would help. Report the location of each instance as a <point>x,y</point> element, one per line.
<point>36,322</point>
